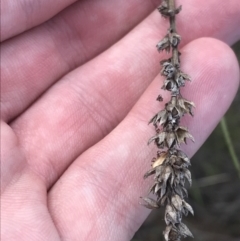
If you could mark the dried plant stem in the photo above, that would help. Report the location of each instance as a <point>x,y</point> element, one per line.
<point>171,7</point>
<point>170,167</point>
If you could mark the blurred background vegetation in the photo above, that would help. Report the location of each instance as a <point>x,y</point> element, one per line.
<point>215,194</point>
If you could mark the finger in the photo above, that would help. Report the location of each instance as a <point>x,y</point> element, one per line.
<point>105,183</point>
<point>19,16</point>
<point>43,55</point>
<point>24,211</point>
<point>13,161</point>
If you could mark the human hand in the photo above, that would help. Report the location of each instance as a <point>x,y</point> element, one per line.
<point>77,93</point>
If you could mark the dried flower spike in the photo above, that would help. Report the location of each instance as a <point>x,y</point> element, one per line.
<point>170,167</point>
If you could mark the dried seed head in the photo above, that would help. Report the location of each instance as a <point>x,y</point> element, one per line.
<point>186,106</point>
<point>183,156</point>
<point>164,139</point>
<point>166,12</point>
<point>166,232</point>
<point>171,215</point>
<point>175,111</point>
<point>171,139</point>
<point>171,85</point>
<point>159,161</point>
<point>177,202</point>
<point>170,166</point>
<point>168,69</point>
<point>164,44</point>
<point>181,78</point>
<point>163,8</point>
<point>174,39</point>
<point>188,207</point>
<point>166,173</point>
<point>187,175</point>
<point>183,230</point>
<point>170,40</point>
<point>149,203</point>
<point>174,235</point>
<point>183,134</point>
<point>159,119</point>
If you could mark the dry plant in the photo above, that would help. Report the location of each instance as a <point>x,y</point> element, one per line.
<point>170,167</point>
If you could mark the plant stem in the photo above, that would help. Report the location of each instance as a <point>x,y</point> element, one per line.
<point>230,145</point>
<point>172,18</point>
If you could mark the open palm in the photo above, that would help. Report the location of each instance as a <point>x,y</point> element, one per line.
<point>79,80</point>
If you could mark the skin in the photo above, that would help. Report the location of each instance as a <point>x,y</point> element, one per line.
<point>78,86</point>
